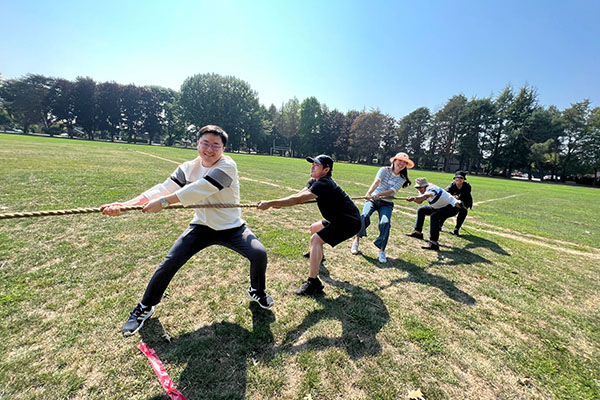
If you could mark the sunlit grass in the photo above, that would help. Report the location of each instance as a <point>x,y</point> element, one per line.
<point>508,310</point>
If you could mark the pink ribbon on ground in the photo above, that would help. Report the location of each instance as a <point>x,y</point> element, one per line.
<point>161,372</point>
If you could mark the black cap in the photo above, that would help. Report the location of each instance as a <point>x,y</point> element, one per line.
<point>460,174</point>
<point>322,159</point>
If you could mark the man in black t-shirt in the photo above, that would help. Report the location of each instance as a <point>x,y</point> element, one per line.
<point>460,189</point>
<point>341,218</point>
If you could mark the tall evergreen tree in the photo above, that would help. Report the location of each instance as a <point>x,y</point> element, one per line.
<point>576,127</point>
<point>494,140</point>
<point>413,134</point>
<point>365,136</point>
<point>109,109</point>
<point>25,99</point>
<point>310,140</point>
<point>448,128</point>
<point>84,94</point>
<point>62,103</point>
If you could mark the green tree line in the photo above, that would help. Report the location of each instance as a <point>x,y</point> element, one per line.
<point>502,135</point>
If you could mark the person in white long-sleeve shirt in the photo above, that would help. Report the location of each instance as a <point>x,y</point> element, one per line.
<point>441,206</point>
<point>212,178</point>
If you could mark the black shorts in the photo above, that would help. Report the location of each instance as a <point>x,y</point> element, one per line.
<point>335,233</point>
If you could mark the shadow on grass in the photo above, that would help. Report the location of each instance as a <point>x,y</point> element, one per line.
<point>215,355</point>
<point>447,256</point>
<point>419,275</point>
<point>361,312</point>
<point>476,241</point>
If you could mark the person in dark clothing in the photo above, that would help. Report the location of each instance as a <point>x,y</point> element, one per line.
<point>341,218</point>
<point>461,190</point>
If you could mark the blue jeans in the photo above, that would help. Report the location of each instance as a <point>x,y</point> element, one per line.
<point>384,208</point>
<point>438,216</point>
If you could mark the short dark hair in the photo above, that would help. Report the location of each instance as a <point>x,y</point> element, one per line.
<point>214,130</point>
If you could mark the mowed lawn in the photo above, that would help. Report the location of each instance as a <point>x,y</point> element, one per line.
<point>509,310</point>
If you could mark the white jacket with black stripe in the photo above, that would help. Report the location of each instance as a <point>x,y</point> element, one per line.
<point>195,184</point>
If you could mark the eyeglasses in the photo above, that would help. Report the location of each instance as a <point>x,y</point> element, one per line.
<point>206,145</point>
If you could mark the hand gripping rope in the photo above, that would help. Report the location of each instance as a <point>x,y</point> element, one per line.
<point>55,213</point>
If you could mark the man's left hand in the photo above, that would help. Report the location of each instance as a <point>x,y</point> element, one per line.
<point>152,206</point>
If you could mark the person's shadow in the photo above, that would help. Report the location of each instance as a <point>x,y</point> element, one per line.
<point>215,355</point>
<point>447,256</point>
<point>419,275</point>
<point>361,312</point>
<point>476,241</point>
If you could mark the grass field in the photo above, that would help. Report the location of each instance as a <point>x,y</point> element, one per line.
<point>509,310</point>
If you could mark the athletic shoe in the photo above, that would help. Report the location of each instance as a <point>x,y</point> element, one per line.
<point>455,233</point>
<point>136,319</point>
<point>262,298</point>
<point>310,287</point>
<point>354,248</point>
<point>307,255</point>
<point>382,258</point>
<point>431,246</point>
<point>415,234</point>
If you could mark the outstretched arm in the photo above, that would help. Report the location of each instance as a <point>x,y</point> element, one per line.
<point>419,199</point>
<point>298,198</point>
<point>164,189</point>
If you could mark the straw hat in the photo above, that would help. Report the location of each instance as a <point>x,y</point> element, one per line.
<point>403,157</point>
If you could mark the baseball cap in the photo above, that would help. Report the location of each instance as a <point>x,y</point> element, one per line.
<point>460,174</point>
<point>322,159</point>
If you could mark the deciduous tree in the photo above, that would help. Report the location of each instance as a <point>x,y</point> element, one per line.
<point>222,100</point>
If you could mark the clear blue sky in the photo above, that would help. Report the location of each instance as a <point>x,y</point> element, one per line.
<point>392,55</point>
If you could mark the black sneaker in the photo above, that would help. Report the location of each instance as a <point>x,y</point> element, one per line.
<point>415,234</point>
<point>136,320</point>
<point>307,255</point>
<point>431,246</point>
<point>455,233</point>
<point>310,287</point>
<point>262,298</point>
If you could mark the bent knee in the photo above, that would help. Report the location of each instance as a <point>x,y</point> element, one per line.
<point>316,239</point>
<point>258,256</point>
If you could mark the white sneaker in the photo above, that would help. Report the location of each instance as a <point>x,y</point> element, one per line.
<point>382,258</point>
<point>354,248</point>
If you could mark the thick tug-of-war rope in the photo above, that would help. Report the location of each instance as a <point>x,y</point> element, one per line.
<point>123,208</point>
<point>55,213</point>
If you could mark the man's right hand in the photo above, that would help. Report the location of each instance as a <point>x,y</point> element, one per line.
<point>112,209</point>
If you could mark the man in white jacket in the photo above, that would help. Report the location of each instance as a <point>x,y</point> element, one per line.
<point>441,206</point>
<point>211,178</point>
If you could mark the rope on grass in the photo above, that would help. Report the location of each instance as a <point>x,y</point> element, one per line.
<point>57,213</point>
